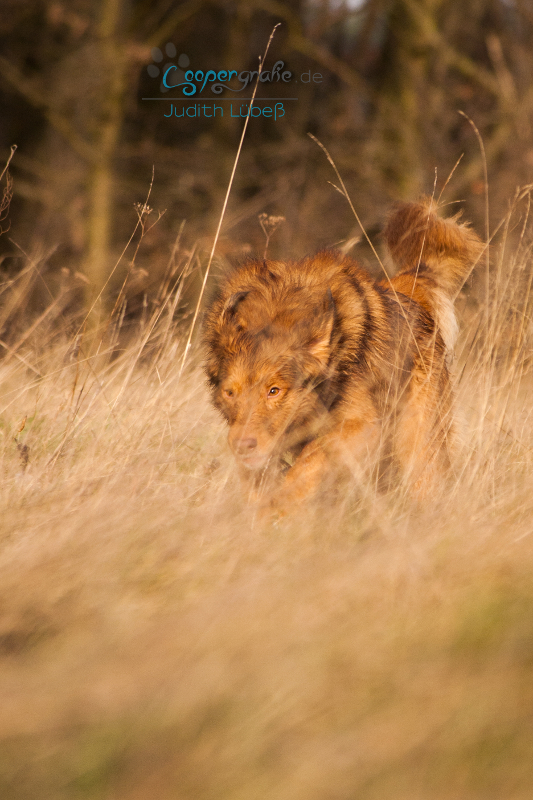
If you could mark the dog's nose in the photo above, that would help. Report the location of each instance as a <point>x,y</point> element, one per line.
<point>245,446</point>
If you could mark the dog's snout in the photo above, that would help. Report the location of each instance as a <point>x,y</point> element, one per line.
<point>245,446</point>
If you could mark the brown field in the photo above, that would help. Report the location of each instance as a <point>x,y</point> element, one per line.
<point>157,642</point>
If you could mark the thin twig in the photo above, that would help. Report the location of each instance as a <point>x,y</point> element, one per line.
<point>486,190</point>
<point>8,162</point>
<point>230,184</point>
<point>121,256</point>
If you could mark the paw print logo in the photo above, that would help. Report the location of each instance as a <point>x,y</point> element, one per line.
<point>157,55</point>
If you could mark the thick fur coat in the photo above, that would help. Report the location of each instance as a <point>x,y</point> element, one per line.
<point>320,370</point>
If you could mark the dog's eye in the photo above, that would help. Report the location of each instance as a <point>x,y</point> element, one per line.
<point>274,390</point>
<point>228,392</point>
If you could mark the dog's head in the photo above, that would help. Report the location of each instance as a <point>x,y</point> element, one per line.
<point>267,359</point>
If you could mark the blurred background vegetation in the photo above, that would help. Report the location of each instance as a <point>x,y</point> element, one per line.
<point>395,73</point>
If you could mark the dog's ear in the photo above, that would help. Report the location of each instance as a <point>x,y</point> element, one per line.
<point>231,305</point>
<point>320,345</point>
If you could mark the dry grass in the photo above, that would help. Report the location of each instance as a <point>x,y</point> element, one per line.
<point>157,643</point>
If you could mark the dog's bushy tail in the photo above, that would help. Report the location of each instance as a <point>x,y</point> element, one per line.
<point>419,240</point>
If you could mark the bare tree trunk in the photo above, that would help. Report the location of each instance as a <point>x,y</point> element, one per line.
<point>397,139</point>
<point>106,131</point>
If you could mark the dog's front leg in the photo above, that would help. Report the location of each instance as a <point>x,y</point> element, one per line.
<point>344,451</point>
<point>257,485</point>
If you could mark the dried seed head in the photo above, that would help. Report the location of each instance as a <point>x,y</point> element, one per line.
<point>269,223</point>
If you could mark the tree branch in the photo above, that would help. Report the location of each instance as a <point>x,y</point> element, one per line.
<point>298,41</point>
<point>167,28</point>
<point>432,37</point>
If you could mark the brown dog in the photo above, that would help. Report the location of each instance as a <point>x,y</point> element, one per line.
<point>316,365</point>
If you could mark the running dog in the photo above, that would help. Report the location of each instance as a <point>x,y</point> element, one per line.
<point>320,370</point>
